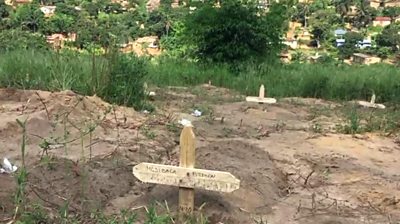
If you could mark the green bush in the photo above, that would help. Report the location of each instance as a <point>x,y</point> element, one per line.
<point>19,39</point>
<point>236,32</point>
<point>124,84</point>
<point>116,78</point>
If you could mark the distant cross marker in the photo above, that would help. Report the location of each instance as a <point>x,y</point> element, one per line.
<point>371,103</point>
<point>186,177</point>
<point>261,97</point>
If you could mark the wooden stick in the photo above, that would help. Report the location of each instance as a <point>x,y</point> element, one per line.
<point>187,159</point>
<point>261,94</point>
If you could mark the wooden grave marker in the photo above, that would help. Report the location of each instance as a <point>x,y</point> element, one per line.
<point>261,97</point>
<point>186,177</point>
<point>372,103</point>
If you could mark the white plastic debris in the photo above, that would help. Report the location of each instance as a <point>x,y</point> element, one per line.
<point>145,111</point>
<point>152,93</point>
<point>8,167</point>
<point>196,113</point>
<point>185,122</point>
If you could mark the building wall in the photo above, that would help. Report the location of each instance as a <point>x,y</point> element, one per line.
<point>374,4</point>
<point>381,23</point>
<point>392,4</point>
<point>372,60</point>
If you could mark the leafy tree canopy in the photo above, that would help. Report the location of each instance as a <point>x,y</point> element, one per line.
<point>29,16</point>
<point>350,46</point>
<point>19,39</point>
<point>235,32</point>
<point>389,37</point>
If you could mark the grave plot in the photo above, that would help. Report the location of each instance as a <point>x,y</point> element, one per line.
<point>297,162</point>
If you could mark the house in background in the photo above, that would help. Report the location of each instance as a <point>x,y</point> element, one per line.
<point>392,3</point>
<point>339,34</point>
<point>48,11</point>
<point>366,43</point>
<point>16,3</point>
<point>382,21</point>
<point>57,40</point>
<point>365,59</point>
<point>291,42</point>
<point>143,46</point>
<point>375,3</point>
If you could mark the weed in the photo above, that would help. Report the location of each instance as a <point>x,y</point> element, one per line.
<point>125,217</point>
<point>49,162</point>
<point>23,143</point>
<point>317,128</point>
<point>154,218</point>
<point>353,122</point>
<point>147,132</point>
<point>173,127</point>
<point>227,132</point>
<point>34,214</point>
<point>22,174</point>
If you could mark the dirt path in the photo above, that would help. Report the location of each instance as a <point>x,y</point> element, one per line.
<point>293,165</point>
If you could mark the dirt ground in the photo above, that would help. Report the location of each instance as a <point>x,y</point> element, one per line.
<point>294,166</point>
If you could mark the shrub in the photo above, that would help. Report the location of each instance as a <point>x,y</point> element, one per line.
<point>19,39</point>
<point>124,83</point>
<point>235,32</point>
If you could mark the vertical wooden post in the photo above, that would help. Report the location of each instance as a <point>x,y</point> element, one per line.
<point>187,159</point>
<point>262,92</point>
<point>373,99</point>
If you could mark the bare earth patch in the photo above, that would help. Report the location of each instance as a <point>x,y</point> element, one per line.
<point>294,165</point>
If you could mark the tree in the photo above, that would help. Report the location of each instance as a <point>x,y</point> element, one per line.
<point>384,52</point>
<point>19,39</point>
<point>350,46</point>
<point>235,32</point>
<point>389,37</point>
<point>59,23</point>
<point>300,12</point>
<point>93,8</point>
<point>365,15</point>
<point>343,7</point>
<point>321,23</point>
<point>113,8</point>
<point>29,16</point>
<point>391,12</point>
<point>4,10</point>
<point>156,23</point>
<point>63,8</point>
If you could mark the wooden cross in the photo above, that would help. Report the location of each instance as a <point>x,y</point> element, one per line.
<point>261,97</point>
<point>186,177</point>
<point>372,103</point>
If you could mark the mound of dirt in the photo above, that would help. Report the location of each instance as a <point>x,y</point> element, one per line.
<point>61,117</point>
<point>86,187</point>
<point>262,184</point>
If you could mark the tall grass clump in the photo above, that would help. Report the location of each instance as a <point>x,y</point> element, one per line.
<point>124,83</point>
<point>115,77</point>
<point>46,70</point>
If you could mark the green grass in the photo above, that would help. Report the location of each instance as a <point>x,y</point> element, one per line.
<point>302,80</point>
<point>115,77</point>
<point>51,71</point>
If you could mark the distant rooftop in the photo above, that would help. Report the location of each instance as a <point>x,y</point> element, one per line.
<point>382,18</point>
<point>340,32</point>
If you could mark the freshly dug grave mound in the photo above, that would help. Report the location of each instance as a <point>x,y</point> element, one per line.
<point>85,187</point>
<point>262,184</point>
<point>61,117</point>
